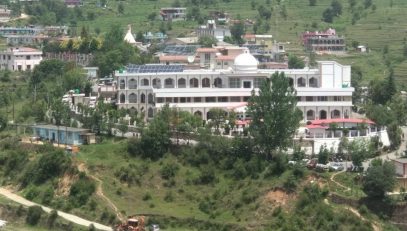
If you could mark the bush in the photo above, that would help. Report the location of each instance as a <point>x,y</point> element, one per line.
<point>147,196</point>
<point>81,190</point>
<point>33,215</point>
<point>169,197</point>
<point>169,170</point>
<point>51,218</point>
<point>206,176</point>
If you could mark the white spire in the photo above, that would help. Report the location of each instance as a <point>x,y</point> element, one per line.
<point>129,36</point>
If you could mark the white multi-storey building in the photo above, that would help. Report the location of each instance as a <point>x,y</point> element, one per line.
<point>20,58</point>
<point>323,93</point>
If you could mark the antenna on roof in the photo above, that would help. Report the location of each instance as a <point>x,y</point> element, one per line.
<point>191,59</point>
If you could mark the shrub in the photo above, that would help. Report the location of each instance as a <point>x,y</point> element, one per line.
<point>169,170</point>
<point>51,218</point>
<point>169,197</point>
<point>81,190</point>
<point>33,215</point>
<point>206,176</point>
<point>147,196</point>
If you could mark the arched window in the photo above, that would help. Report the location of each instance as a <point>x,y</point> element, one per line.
<point>313,82</point>
<point>122,98</point>
<point>346,114</point>
<point>198,114</point>
<point>218,82</point>
<point>310,115</point>
<point>150,113</point>
<point>193,83</point>
<point>169,83</point>
<point>156,83</point>
<point>150,98</point>
<point>145,82</point>
<point>142,98</point>
<point>291,82</point>
<point>206,82</point>
<point>132,84</point>
<point>322,115</point>
<point>182,83</point>
<point>301,82</point>
<point>133,111</point>
<point>122,84</point>
<point>132,98</point>
<point>335,114</point>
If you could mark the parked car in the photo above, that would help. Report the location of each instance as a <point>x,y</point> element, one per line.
<point>335,166</point>
<point>154,227</point>
<point>321,167</point>
<point>353,168</point>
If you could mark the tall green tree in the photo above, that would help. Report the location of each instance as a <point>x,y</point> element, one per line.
<point>295,63</point>
<point>275,114</point>
<point>379,179</point>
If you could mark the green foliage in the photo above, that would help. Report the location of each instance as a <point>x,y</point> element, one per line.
<point>237,31</point>
<point>323,155</point>
<point>81,190</point>
<point>379,179</point>
<point>359,151</point>
<point>3,122</point>
<point>33,215</point>
<point>51,218</point>
<point>275,114</point>
<point>207,41</point>
<point>49,165</point>
<point>295,63</point>
<point>169,170</point>
<point>312,2</point>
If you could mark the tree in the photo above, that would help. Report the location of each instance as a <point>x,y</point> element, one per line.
<point>33,215</point>
<point>312,2</point>
<point>51,218</point>
<point>379,179</point>
<point>295,63</point>
<point>367,3</point>
<point>207,41</point>
<point>3,122</point>
<point>217,116</point>
<point>123,127</point>
<point>120,8</point>
<point>275,114</point>
<point>358,151</point>
<point>394,133</point>
<point>336,7</point>
<point>323,155</point>
<point>398,107</point>
<point>328,15</point>
<point>237,31</point>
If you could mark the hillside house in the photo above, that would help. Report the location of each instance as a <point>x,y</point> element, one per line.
<point>323,41</point>
<point>20,58</point>
<point>173,13</point>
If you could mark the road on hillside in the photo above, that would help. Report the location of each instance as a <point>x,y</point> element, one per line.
<point>69,217</point>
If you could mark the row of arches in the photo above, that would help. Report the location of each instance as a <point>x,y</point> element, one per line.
<point>302,82</point>
<point>132,98</point>
<point>170,83</point>
<point>323,114</point>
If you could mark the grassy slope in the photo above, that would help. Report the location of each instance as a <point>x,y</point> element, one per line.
<point>384,26</point>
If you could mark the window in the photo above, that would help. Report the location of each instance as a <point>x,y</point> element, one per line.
<point>132,84</point>
<point>169,83</point>
<point>176,100</point>
<point>122,98</point>
<point>298,98</point>
<point>322,98</point>
<point>335,114</point>
<point>160,100</point>
<point>168,100</point>
<point>28,67</point>
<point>197,99</point>
<point>222,99</point>
<point>207,57</point>
<point>235,99</point>
<point>310,115</point>
<point>337,98</point>
<point>193,83</point>
<point>218,82</point>
<point>182,83</point>
<point>206,82</point>
<point>142,98</point>
<point>182,100</point>
<point>28,57</point>
<point>309,98</point>
<point>150,98</point>
<point>257,82</point>
<point>225,63</point>
<point>313,82</point>
<point>234,82</point>
<point>145,82</point>
<point>246,99</point>
<point>132,98</point>
<point>301,82</point>
<point>210,99</point>
<point>157,83</point>
<point>247,84</point>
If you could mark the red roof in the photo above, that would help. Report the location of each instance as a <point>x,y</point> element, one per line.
<point>225,57</point>
<point>329,121</point>
<point>173,58</point>
<point>316,126</point>
<point>206,50</point>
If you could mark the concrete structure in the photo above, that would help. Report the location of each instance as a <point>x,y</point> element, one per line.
<point>173,13</point>
<point>91,72</point>
<point>323,93</point>
<point>62,134</point>
<point>323,42</point>
<point>15,40</point>
<point>212,30</point>
<point>401,167</point>
<point>5,14</point>
<point>322,133</point>
<point>20,58</point>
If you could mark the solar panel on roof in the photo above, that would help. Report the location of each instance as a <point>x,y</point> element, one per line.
<point>154,68</point>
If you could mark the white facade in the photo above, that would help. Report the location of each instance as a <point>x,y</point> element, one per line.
<point>323,93</point>
<point>20,59</point>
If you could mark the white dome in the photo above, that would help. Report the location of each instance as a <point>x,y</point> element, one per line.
<point>245,62</point>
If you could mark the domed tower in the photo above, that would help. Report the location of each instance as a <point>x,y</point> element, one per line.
<point>245,62</point>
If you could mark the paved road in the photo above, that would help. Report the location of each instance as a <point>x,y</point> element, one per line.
<point>69,217</point>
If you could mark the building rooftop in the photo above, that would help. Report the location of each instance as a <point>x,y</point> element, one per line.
<point>153,68</point>
<point>60,128</point>
<point>401,160</point>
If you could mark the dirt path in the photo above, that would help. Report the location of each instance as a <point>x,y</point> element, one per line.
<point>336,182</point>
<point>69,217</point>
<point>99,191</point>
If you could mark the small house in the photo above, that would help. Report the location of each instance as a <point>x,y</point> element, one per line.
<point>401,167</point>
<point>63,134</point>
